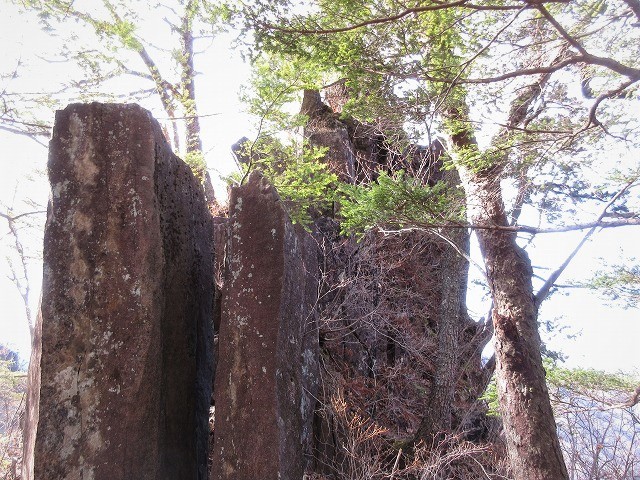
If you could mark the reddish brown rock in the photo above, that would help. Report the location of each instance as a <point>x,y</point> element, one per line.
<point>400,351</point>
<point>268,342</point>
<point>324,129</point>
<point>127,305</point>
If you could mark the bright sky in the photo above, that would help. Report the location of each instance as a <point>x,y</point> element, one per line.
<point>609,334</point>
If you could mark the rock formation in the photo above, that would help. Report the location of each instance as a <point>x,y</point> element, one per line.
<point>126,315</point>
<point>125,357</point>
<point>268,347</point>
<point>401,350</point>
<point>326,130</point>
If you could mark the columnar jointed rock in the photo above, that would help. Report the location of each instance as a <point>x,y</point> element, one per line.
<point>126,306</point>
<point>268,342</point>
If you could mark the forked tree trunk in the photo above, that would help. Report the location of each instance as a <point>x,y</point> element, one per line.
<point>530,429</point>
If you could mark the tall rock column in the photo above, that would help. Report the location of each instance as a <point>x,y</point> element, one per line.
<point>126,315</point>
<point>268,342</point>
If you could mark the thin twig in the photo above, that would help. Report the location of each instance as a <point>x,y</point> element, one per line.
<point>395,465</point>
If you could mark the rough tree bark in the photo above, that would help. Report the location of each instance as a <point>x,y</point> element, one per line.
<point>531,436</point>
<point>530,429</point>
<point>452,315</point>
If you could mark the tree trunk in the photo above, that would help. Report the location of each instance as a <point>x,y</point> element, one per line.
<point>530,429</point>
<point>532,441</point>
<point>192,120</point>
<point>451,321</point>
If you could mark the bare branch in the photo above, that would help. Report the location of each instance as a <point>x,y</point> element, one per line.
<point>546,288</point>
<point>24,133</point>
<point>417,225</point>
<point>630,72</point>
<point>572,41</point>
<point>634,5</point>
<point>188,117</point>
<point>13,218</point>
<point>24,287</point>
<point>593,120</point>
<point>166,90</point>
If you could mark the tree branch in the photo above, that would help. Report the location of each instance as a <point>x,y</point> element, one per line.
<point>634,5</point>
<point>24,289</point>
<point>11,218</point>
<point>511,228</point>
<point>634,399</point>
<point>409,11</point>
<point>365,23</point>
<point>31,135</point>
<point>572,41</point>
<point>543,293</point>
<point>592,119</point>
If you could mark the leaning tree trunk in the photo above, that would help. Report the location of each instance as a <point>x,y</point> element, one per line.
<point>530,429</point>
<point>531,436</point>
<point>184,94</point>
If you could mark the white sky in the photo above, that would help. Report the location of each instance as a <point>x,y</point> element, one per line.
<point>609,335</point>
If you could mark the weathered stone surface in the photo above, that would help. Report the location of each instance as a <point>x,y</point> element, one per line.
<point>324,129</point>
<point>358,152</point>
<point>32,403</point>
<point>125,370</point>
<point>399,349</point>
<point>267,343</point>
